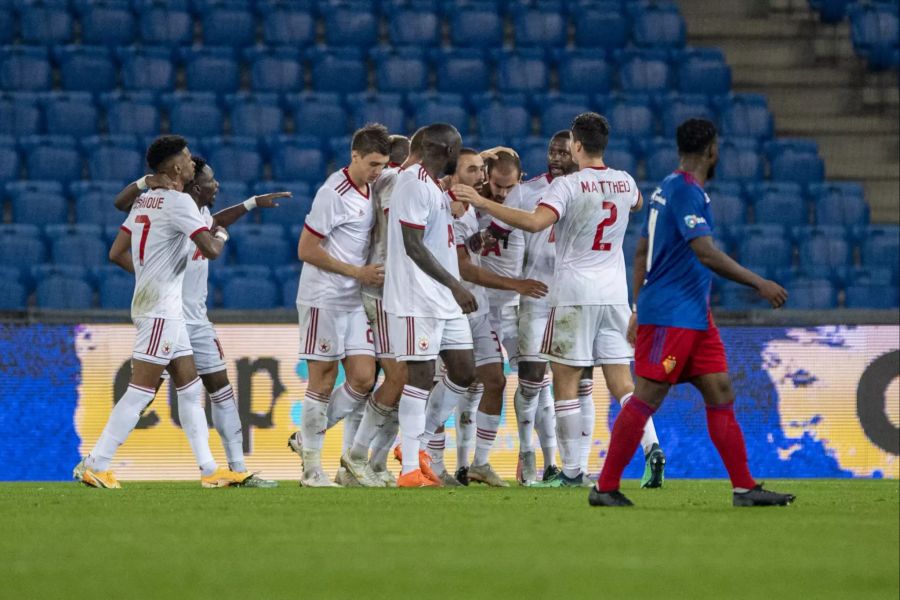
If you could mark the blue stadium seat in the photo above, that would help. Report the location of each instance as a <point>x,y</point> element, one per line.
<point>795,160</point>
<point>401,71</point>
<point>94,202</point>
<point>234,158</point>
<point>291,211</point>
<point>222,274</point>
<point>7,27</point>
<point>246,293</point>
<point>831,11</point>
<point>659,26</point>
<point>524,71</point>
<point>80,245</point>
<point>414,27</point>
<point>20,114</point>
<point>115,287</point>
<point>739,160</point>
<point>338,70</point>
<point>763,246</point>
<point>10,165</point>
<point>350,24</point>
<point>606,17</point>
<point>533,154</point>
<point>839,203</point>
<point>319,113</point>
<point>86,68</point>
<point>52,157</point>
<point>298,158</point>
<point>262,245</point>
<point>811,294</point>
<point>70,113</point>
<point>644,71</point>
<point>228,23</point>
<point>746,115</point>
<point>871,296</point>
<point>24,68</point>
<point>131,113</point>
<point>289,287</point>
<point>386,109</point>
<point>632,117</point>
<point>148,69</point>
<point>584,72</point>
<point>256,115</point>
<point>38,202</point>
<point>734,296</point>
<point>439,108</point>
<point>726,203</point>
<point>286,24</point>
<point>620,155</point>
<point>114,158</point>
<point>63,292</point>
<point>782,203</point>
<point>661,159</point>
<point>212,70</point>
<point>13,293</point>
<point>21,247</point>
<point>823,248</point>
<point>462,69</point>
<point>107,23</point>
<point>165,26</point>
<point>46,23</point>
<point>558,110</point>
<point>504,119</point>
<point>476,27</point>
<point>232,192</point>
<point>853,275</point>
<point>703,71</point>
<point>194,113</point>
<point>874,30</point>
<point>276,70</point>
<point>543,28</point>
<point>678,108</point>
<point>880,247</point>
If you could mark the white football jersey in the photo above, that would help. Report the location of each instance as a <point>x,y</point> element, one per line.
<point>463,228</point>
<point>381,203</point>
<point>592,207</point>
<point>341,215</point>
<point>419,202</point>
<point>196,280</point>
<point>162,224</point>
<point>504,259</point>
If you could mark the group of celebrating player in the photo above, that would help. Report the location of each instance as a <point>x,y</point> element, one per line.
<point>426,259</point>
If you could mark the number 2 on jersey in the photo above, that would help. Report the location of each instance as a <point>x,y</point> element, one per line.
<point>145,221</point>
<point>599,244</point>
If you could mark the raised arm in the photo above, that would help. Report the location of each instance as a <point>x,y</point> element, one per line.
<point>127,196</point>
<point>228,216</point>
<point>414,243</point>
<point>542,217</point>
<point>210,244</point>
<point>310,251</point>
<point>638,276</point>
<point>723,265</point>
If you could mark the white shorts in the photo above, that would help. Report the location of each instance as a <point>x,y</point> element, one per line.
<point>505,320</point>
<point>485,341</point>
<point>208,354</point>
<point>334,334</point>
<point>532,325</point>
<point>584,336</point>
<point>423,338</point>
<point>378,324</point>
<point>160,341</point>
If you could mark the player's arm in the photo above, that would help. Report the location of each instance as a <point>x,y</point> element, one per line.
<point>723,265</point>
<point>414,244</point>
<point>120,252</point>
<point>638,275</point>
<point>310,251</point>
<point>542,217</point>
<point>127,196</point>
<point>480,276</point>
<point>209,243</point>
<point>228,216</point>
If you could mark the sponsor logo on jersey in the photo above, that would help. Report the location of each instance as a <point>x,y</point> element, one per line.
<point>693,220</point>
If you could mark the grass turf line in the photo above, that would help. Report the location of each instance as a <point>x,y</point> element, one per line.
<point>176,540</point>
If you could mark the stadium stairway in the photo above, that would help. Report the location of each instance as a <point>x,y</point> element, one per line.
<point>816,86</point>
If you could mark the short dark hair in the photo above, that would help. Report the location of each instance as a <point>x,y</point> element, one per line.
<point>563,133</point>
<point>399,148</point>
<point>592,130</point>
<point>371,138</point>
<point>199,163</point>
<point>695,135</point>
<point>468,152</point>
<point>504,162</point>
<point>163,148</point>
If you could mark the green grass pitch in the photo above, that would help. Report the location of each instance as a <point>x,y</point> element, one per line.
<point>176,540</point>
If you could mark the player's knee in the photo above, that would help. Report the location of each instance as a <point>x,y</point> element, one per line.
<point>462,374</point>
<point>362,382</point>
<point>494,383</point>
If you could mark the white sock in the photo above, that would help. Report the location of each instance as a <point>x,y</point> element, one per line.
<point>568,425</point>
<point>228,423</point>
<point>545,423</point>
<point>313,423</point>
<point>374,419</point>
<point>412,425</point>
<point>436,446</point>
<point>193,423</point>
<point>465,423</point>
<point>526,405</point>
<point>649,438</point>
<point>586,404</point>
<point>351,426</point>
<point>484,438</point>
<point>344,400</point>
<point>442,400</point>
<point>124,416</point>
<point>384,441</point>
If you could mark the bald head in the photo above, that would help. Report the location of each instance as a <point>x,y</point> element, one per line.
<point>441,143</point>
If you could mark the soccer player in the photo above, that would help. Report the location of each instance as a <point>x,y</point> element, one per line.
<point>423,297</point>
<point>589,297</point>
<point>208,354</point>
<point>676,340</point>
<point>334,246</point>
<point>400,148</point>
<point>161,226</point>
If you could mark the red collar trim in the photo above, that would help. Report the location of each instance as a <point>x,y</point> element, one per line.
<point>689,177</point>
<point>361,193</point>
<point>603,168</point>
<point>392,165</point>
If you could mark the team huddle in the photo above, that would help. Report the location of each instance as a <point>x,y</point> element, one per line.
<point>425,260</point>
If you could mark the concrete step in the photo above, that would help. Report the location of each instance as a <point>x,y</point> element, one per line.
<point>811,126</point>
<point>884,200</point>
<point>786,101</point>
<point>692,9</point>
<point>724,27</point>
<point>761,52</point>
<point>823,76</point>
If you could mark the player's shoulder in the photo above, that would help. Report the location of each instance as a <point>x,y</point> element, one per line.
<point>682,186</point>
<point>536,183</point>
<point>339,182</point>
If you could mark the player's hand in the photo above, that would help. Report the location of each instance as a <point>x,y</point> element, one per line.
<point>631,333</point>
<point>372,275</point>
<point>465,193</point>
<point>160,181</point>
<point>222,233</point>
<point>479,241</point>
<point>532,288</point>
<point>465,299</point>
<point>458,209</point>
<point>493,152</point>
<point>774,293</point>
<point>269,200</point>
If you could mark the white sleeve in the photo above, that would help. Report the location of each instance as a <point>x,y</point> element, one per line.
<point>185,215</point>
<point>411,204</point>
<point>322,217</point>
<point>557,197</point>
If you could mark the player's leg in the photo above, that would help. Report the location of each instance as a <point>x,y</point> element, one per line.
<point>532,369</point>
<point>465,429</point>
<point>588,417</point>
<point>487,422</point>
<point>359,368</point>
<point>545,425</point>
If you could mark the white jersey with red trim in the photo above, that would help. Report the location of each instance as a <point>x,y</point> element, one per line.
<point>463,228</point>
<point>540,248</point>
<point>342,216</point>
<point>162,224</point>
<point>504,259</point>
<point>592,206</point>
<point>419,202</point>
<point>196,280</point>
<point>381,203</point>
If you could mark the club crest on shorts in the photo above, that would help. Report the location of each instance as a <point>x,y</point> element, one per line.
<point>166,347</point>
<point>324,345</point>
<point>423,343</point>
<point>669,364</point>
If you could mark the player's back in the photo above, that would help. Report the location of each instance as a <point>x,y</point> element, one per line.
<point>677,286</point>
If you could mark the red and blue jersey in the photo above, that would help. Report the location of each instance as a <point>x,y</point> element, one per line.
<point>677,286</point>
